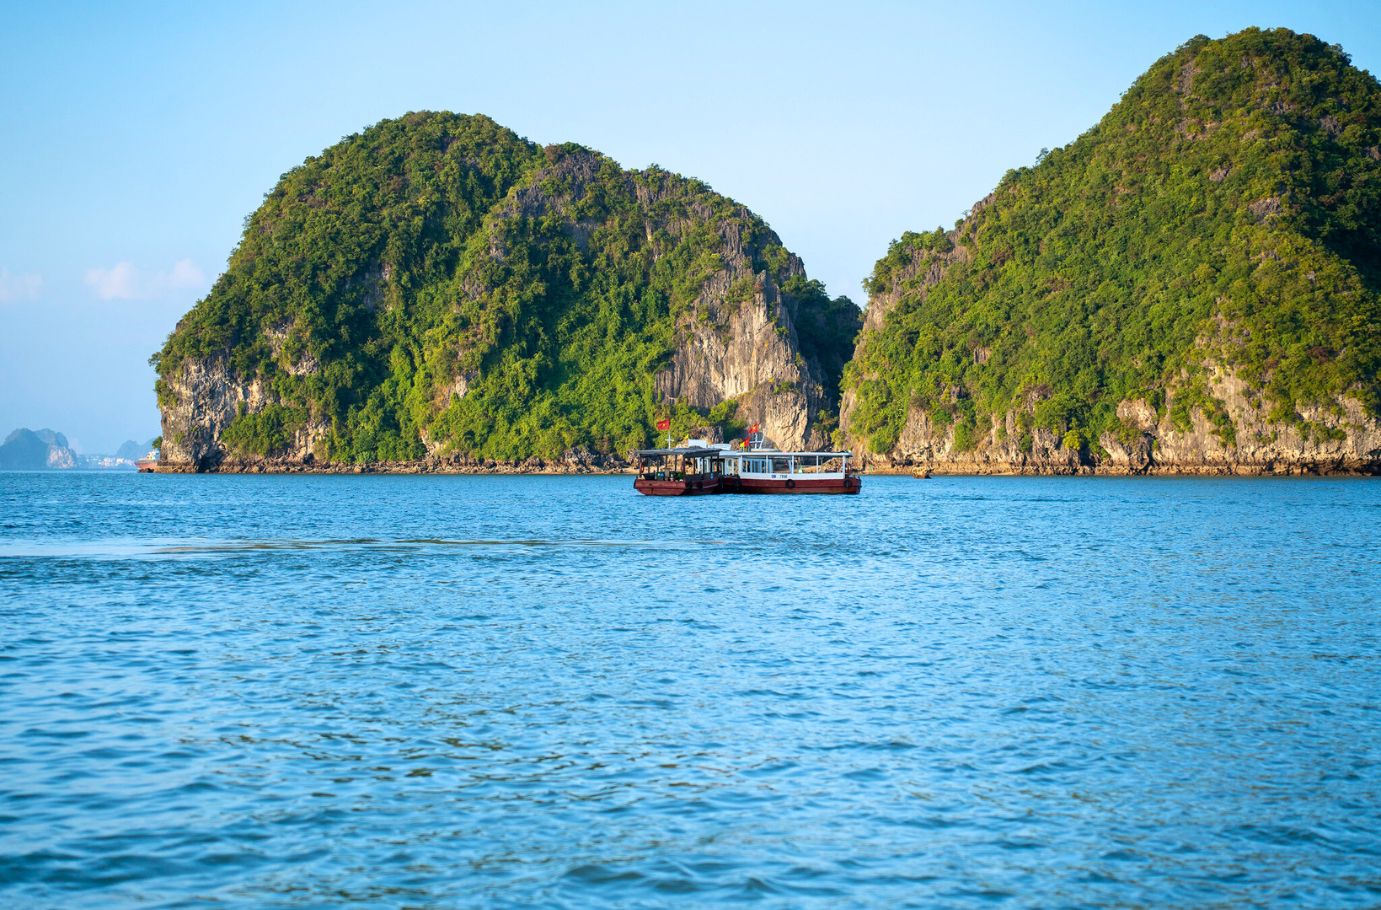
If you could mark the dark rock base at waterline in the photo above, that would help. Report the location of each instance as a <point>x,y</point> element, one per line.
<point>454,465</point>
<point>1071,469</point>
<point>616,466</point>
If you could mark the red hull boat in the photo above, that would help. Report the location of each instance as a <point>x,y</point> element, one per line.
<point>701,470</point>
<point>849,483</point>
<point>691,471</point>
<point>687,487</point>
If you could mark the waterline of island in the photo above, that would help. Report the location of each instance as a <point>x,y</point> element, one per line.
<point>556,467</point>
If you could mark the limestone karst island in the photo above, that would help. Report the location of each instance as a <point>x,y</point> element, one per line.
<point>1191,286</point>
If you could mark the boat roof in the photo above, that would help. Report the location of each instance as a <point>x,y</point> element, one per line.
<point>749,452</point>
<point>696,452</point>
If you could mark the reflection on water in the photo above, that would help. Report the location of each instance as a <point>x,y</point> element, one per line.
<point>487,691</point>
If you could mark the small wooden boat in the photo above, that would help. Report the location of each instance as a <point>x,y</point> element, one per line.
<point>689,471</point>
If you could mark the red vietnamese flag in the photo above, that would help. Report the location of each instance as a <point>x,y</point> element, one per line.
<point>664,424</point>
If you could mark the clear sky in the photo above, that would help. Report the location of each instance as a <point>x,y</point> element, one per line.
<point>135,138</point>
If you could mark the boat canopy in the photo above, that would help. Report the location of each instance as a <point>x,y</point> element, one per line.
<point>759,453</point>
<point>689,453</point>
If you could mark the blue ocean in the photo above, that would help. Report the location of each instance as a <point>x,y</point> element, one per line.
<point>458,691</point>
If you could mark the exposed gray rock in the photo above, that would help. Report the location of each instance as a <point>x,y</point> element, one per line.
<point>1341,438</point>
<point>205,397</point>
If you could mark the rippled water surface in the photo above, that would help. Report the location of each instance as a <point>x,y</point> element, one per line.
<point>540,691</point>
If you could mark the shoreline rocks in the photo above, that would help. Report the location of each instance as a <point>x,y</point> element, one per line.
<point>572,463</point>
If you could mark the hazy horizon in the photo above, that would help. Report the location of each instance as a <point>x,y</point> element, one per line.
<point>138,137</point>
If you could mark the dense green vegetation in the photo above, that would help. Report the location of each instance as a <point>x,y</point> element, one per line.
<point>421,273</point>
<point>1227,208</point>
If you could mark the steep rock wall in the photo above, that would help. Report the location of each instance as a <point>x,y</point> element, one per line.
<point>200,402</point>
<point>747,350</point>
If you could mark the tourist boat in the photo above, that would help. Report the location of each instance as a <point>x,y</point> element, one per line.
<point>148,462</point>
<point>692,470</point>
<point>699,469</point>
<point>759,470</point>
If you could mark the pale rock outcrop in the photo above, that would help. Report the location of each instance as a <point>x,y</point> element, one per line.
<point>750,355</point>
<point>1350,441</point>
<point>205,397</point>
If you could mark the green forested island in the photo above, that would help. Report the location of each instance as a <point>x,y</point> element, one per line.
<point>1193,284</point>
<point>437,284</point>
<point>1210,251</point>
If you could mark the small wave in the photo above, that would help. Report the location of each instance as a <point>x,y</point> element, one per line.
<point>146,549</point>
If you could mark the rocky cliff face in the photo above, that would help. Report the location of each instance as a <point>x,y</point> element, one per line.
<point>199,402</point>
<point>1348,443</point>
<point>196,405</point>
<point>747,350</point>
<point>750,355</point>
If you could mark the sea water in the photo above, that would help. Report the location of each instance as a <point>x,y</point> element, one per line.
<point>549,691</point>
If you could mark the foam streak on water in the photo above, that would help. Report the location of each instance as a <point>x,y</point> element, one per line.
<point>519,691</point>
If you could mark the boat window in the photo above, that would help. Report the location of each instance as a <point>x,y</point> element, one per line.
<point>780,464</point>
<point>831,465</point>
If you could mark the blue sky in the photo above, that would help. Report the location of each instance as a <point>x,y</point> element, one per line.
<point>135,138</point>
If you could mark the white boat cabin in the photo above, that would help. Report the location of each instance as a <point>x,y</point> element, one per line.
<point>756,462</point>
<point>771,465</point>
